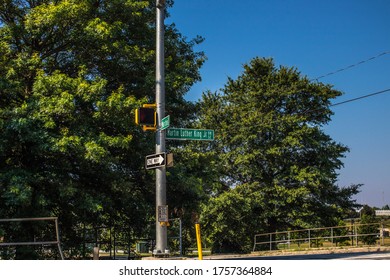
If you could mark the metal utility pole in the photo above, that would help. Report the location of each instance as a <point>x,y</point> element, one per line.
<point>161,229</point>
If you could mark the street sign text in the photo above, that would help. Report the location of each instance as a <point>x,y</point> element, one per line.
<point>190,134</point>
<point>155,161</point>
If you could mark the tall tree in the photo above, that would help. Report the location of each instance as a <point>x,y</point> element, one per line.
<point>273,154</point>
<point>71,75</point>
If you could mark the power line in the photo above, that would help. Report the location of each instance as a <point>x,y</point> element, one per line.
<point>352,100</point>
<point>351,66</point>
<point>361,97</point>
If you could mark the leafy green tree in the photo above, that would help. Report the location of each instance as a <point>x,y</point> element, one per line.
<point>230,221</point>
<point>271,152</point>
<point>71,75</point>
<point>369,228</point>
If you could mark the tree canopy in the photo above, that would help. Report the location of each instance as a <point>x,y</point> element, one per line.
<point>71,75</point>
<point>277,167</point>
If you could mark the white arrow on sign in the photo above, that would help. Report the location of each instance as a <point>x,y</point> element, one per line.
<point>155,161</point>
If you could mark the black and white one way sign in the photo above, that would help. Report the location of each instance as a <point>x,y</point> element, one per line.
<point>155,161</point>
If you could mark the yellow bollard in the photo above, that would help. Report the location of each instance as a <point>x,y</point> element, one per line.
<point>198,241</point>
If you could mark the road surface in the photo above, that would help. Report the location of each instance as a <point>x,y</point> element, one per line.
<point>332,256</point>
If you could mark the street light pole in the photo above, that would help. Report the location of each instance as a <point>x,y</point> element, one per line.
<point>161,229</point>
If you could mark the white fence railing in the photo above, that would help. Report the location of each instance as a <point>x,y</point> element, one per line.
<point>349,235</point>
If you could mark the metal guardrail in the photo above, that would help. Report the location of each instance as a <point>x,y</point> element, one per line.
<point>29,243</point>
<point>317,235</point>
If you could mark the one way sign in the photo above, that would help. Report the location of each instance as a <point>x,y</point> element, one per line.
<point>155,161</point>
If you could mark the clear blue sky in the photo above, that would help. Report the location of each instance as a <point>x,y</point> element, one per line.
<point>316,37</point>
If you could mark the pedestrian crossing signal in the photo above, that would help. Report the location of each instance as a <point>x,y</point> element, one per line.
<point>146,116</point>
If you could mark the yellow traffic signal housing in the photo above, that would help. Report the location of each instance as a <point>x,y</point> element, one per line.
<point>146,116</point>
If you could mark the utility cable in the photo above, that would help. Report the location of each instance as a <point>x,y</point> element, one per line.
<point>361,97</point>
<point>351,66</point>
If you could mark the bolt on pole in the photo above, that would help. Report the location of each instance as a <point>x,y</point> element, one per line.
<point>161,229</point>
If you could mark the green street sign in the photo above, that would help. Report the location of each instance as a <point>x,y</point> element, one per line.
<point>190,134</point>
<point>165,122</point>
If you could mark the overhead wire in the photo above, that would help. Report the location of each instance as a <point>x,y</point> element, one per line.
<point>361,97</point>
<point>351,66</point>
